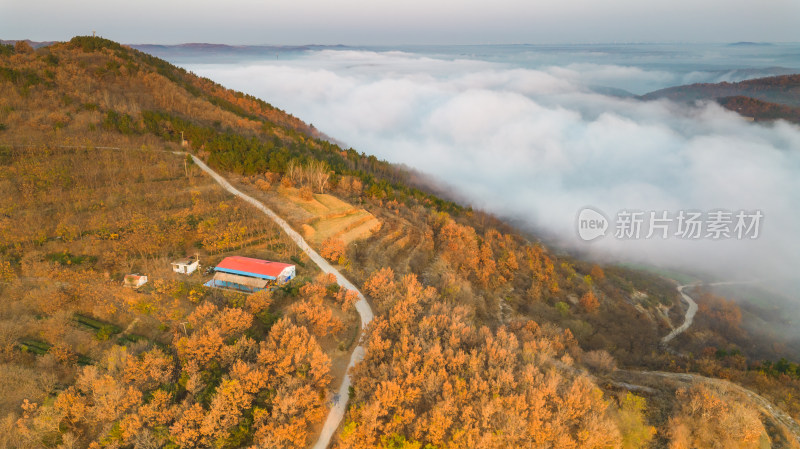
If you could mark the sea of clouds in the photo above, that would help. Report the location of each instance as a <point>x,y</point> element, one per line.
<point>539,144</point>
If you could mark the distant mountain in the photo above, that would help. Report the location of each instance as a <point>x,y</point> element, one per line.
<point>771,98</point>
<point>612,91</point>
<point>784,89</point>
<point>232,51</point>
<point>750,44</point>
<point>33,44</point>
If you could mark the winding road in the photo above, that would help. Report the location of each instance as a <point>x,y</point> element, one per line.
<point>690,312</point>
<point>765,405</point>
<point>336,413</point>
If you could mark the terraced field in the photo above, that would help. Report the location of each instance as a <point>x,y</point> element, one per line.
<point>326,216</point>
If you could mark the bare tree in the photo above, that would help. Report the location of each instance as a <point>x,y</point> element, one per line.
<point>318,174</point>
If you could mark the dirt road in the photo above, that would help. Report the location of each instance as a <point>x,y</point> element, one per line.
<point>690,312</point>
<point>336,413</point>
<point>636,378</point>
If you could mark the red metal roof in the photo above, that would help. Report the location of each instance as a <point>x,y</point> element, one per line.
<point>255,266</point>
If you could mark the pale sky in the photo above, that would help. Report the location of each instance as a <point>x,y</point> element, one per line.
<point>379,22</point>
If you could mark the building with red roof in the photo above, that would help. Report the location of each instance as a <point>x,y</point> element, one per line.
<point>250,275</point>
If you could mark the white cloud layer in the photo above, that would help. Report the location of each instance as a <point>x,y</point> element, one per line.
<point>538,145</point>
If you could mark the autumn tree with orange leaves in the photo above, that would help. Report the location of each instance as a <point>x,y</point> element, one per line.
<point>221,379</point>
<point>432,377</point>
<point>589,302</point>
<point>334,250</point>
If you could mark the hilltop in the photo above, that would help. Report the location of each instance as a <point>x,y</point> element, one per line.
<point>483,337</point>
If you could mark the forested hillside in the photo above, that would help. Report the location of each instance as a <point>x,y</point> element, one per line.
<point>761,110</point>
<point>772,98</point>
<point>483,337</point>
<point>783,89</point>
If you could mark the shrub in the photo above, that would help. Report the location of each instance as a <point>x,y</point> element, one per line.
<point>631,421</point>
<point>51,59</point>
<point>306,194</point>
<point>599,360</point>
<point>563,308</point>
<point>263,184</point>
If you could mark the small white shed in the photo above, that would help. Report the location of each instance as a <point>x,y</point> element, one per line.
<point>134,280</point>
<point>186,266</point>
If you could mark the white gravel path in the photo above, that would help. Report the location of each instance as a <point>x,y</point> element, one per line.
<point>336,413</point>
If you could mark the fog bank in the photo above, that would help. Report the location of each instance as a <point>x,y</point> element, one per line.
<point>538,145</point>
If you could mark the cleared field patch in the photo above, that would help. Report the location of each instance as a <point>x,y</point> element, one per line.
<point>327,216</point>
<point>348,227</point>
<point>320,205</point>
<point>34,346</point>
<point>332,203</point>
<point>330,227</point>
<point>39,347</point>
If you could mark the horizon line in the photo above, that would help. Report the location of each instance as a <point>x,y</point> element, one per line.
<point>427,44</point>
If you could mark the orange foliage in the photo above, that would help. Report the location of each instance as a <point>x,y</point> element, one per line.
<point>333,249</point>
<point>226,410</point>
<point>380,285</point>
<point>320,318</point>
<point>459,246</point>
<point>263,184</point>
<point>290,349</point>
<point>259,301</point>
<point>597,273</point>
<point>431,376</point>
<point>705,418</point>
<point>149,370</point>
<point>232,322</point>
<point>589,302</point>
<point>542,272</point>
<point>186,430</point>
<point>200,348</point>
<point>721,314</point>
<point>306,194</point>
<point>159,410</point>
<point>347,299</point>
